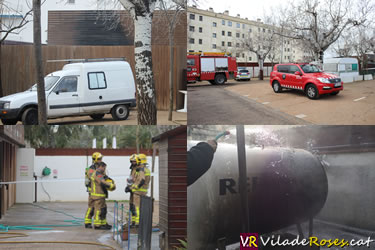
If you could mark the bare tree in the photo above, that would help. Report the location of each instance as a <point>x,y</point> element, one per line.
<point>11,26</point>
<point>172,10</point>
<point>42,109</point>
<point>261,42</point>
<point>320,23</point>
<point>142,12</point>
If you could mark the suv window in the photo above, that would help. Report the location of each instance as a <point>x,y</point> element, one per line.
<point>293,69</point>
<point>67,84</point>
<point>308,68</point>
<point>97,80</point>
<point>283,68</point>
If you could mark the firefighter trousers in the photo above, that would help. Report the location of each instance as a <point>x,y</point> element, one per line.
<point>137,203</point>
<point>90,211</point>
<point>100,212</point>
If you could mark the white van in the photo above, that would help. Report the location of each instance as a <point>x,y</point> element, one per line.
<point>90,87</point>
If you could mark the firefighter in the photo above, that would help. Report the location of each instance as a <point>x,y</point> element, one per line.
<point>100,185</point>
<point>96,158</point>
<point>139,188</point>
<point>144,163</point>
<point>134,162</point>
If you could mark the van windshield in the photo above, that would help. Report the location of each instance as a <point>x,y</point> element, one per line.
<point>49,81</point>
<point>308,68</point>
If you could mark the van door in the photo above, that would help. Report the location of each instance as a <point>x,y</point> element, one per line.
<point>63,100</point>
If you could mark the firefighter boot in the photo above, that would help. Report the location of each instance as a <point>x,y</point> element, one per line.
<point>88,226</point>
<point>104,227</point>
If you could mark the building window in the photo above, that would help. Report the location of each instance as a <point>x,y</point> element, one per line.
<point>200,18</point>
<point>230,23</point>
<point>191,28</point>
<point>200,41</point>
<point>229,44</point>
<point>243,35</point>
<point>238,25</point>
<point>214,46</point>
<point>264,30</point>
<point>238,35</point>
<point>200,29</point>
<point>250,58</point>
<point>237,45</point>
<point>191,41</point>
<point>223,33</point>
<point>223,44</point>
<point>237,55</point>
<point>214,35</point>
<point>259,29</point>
<point>229,33</point>
<point>71,1</point>
<point>244,26</point>
<point>243,55</point>
<point>192,17</point>
<point>250,30</point>
<point>214,24</point>
<point>223,22</point>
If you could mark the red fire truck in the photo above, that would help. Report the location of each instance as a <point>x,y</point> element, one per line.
<point>216,68</point>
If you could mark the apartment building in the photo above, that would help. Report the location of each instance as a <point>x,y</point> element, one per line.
<point>209,31</point>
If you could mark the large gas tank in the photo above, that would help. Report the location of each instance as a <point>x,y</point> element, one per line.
<point>285,186</point>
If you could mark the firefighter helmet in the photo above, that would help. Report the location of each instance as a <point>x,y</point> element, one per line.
<point>142,158</point>
<point>96,157</point>
<point>135,157</point>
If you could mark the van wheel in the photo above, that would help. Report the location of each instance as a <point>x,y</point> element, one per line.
<point>9,121</point>
<point>97,116</point>
<point>219,79</point>
<point>30,117</point>
<point>276,87</point>
<point>120,112</point>
<point>312,92</point>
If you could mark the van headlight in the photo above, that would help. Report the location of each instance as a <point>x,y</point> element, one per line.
<point>323,80</point>
<point>7,105</point>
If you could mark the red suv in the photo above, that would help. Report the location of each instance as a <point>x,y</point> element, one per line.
<point>306,77</point>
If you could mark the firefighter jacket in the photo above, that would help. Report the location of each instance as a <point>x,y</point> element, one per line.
<point>139,180</point>
<point>99,185</point>
<point>147,177</point>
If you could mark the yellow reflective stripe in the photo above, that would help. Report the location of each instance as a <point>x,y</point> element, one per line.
<point>88,212</point>
<point>140,190</point>
<point>99,195</point>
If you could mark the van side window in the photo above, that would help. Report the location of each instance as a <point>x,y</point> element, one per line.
<point>67,84</point>
<point>97,80</point>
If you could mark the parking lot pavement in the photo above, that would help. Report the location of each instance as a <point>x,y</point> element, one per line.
<point>178,119</point>
<point>353,106</point>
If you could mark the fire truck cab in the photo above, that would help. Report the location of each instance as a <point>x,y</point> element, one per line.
<point>216,68</point>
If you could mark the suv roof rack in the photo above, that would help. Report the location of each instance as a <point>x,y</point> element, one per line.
<point>88,60</point>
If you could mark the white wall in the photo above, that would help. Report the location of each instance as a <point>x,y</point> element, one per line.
<point>72,168</point>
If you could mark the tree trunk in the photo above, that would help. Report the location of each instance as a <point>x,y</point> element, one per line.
<point>146,98</point>
<point>261,69</point>
<point>171,89</point>
<point>42,112</point>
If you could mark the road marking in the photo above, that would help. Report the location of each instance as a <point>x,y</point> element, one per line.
<point>301,116</point>
<point>246,95</point>
<point>356,100</point>
<point>265,103</point>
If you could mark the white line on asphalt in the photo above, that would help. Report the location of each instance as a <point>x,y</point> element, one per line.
<point>301,116</point>
<point>246,95</point>
<point>356,100</point>
<point>265,103</point>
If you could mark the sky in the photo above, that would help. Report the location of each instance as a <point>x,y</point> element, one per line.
<point>251,9</point>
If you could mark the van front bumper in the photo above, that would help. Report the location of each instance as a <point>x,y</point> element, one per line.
<point>8,113</point>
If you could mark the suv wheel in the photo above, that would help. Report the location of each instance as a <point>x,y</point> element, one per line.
<point>9,121</point>
<point>120,112</point>
<point>219,79</point>
<point>30,117</point>
<point>276,87</point>
<point>312,92</point>
<point>97,116</point>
